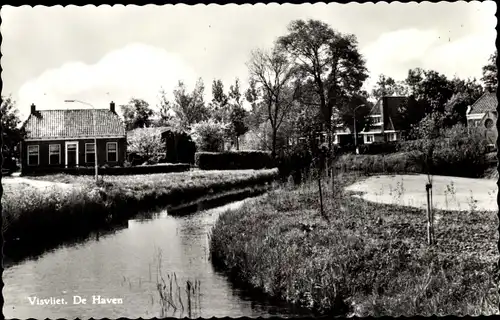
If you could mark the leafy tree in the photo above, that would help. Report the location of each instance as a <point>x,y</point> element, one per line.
<point>208,135</point>
<point>272,73</point>
<point>431,88</point>
<point>238,115</point>
<point>328,60</point>
<point>219,107</point>
<point>189,108</point>
<point>137,114</point>
<point>147,143</point>
<point>490,77</point>
<point>165,112</point>
<point>11,133</point>
<point>387,86</point>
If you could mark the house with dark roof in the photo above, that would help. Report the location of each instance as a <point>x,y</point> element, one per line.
<point>65,138</point>
<point>483,114</point>
<point>385,121</point>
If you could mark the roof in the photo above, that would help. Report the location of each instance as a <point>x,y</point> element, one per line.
<point>389,110</point>
<point>487,102</point>
<point>73,123</point>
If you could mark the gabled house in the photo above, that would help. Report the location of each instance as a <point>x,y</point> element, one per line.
<point>384,125</point>
<point>65,138</point>
<point>483,114</point>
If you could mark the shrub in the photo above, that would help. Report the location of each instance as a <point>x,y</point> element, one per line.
<point>209,135</point>
<point>231,160</point>
<point>146,142</point>
<point>379,148</point>
<point>296,163</point>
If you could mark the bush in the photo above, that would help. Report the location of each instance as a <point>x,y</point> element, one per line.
<point>379,148</point>
<point>209,135</point>
<point>232,160</point>
<point>110,171</point>
<point>296,163</point>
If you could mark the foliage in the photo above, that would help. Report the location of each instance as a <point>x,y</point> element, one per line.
<point>147,143</point>
<point>11,133</point>
<point>137,114</point>
<point>329,62</point>
<point>490,73</point>
<point>219,107</point>
<point>387,86</point>
<point>166,117</point>
<point>209,135</point>
<point>233,160</point>
<point>189,108</point>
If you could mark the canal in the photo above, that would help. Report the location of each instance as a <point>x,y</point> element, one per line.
<point>125,267</point>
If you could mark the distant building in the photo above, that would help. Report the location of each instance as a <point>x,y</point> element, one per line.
<point>384,121</point>
<point>65,138</point>
<point>483,114</point>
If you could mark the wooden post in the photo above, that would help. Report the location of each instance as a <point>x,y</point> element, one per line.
<point>321,196</point>
<point>428,188</point>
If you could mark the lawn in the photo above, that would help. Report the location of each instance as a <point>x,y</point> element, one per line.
<point>368,259</point>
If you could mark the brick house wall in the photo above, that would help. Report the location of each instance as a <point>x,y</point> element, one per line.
<point>44,153</point>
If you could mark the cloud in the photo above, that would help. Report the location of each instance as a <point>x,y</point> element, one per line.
<point>136,70</point>
<point>394,53</point>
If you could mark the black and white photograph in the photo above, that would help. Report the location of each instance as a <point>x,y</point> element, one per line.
<point>249,160</point>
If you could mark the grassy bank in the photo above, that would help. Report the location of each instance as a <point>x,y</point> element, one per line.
<point>35,215</point>
<point>410,162</point>
<point>370,259</point>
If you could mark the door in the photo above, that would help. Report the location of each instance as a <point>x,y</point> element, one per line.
<point>71,154</point>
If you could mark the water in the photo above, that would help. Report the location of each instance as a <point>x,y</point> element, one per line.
<point>124,265</point>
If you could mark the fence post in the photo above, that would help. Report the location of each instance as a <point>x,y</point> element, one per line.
<point>430,236</point>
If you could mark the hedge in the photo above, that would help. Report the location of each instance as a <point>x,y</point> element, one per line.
<point>233,160</point>
<point>111,171</point>
<point>379,148</point>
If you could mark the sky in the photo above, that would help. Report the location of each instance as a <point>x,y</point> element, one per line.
<point>104,53</point>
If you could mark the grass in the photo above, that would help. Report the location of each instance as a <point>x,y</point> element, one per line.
<point>47,215</point>
<point>370,259</point>
<point>406,162</point>
<point>177,299</point>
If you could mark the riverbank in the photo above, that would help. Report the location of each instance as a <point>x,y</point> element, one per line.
<point>370,259</point>
<point>40,214</point>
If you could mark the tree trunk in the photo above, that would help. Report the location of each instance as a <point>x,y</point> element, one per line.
<point>237,143</point>
<point>273,152</point>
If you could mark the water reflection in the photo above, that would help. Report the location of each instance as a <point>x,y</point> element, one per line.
<point>125,265</point>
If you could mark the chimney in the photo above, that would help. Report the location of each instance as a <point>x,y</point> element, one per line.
<point>112,107</point>
<point>33,108</point>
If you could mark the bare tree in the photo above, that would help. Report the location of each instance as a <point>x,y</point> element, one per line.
<point>273,74</point>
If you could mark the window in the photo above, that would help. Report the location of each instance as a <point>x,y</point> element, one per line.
<point>90,153</point>
<point>112,151</point>
<point>369,138</point>
<point>54,154</point>
<point>335,139</point>
<point>393,136</point>
<point>33,155</point>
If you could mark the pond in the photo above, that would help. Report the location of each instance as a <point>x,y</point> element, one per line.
<point>118,275</point>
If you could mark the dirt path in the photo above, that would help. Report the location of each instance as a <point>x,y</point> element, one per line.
<point>41,184</point>
<point>448,193</point>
